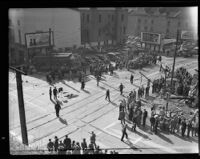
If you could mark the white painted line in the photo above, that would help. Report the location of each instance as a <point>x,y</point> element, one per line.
<point>35,106</point>
<point>110,125</point>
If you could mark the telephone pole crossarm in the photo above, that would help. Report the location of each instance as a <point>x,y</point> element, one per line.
<point>17,70</point>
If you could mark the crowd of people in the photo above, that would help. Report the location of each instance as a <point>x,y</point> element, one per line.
<point>130,109</point>
<point>69,146</point>
<point>166,121</point>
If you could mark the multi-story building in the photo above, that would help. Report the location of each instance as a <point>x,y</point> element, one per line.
<point>64,22</point>
<point>101,26</point>
<point>71,27</point>
<point>166,24</point>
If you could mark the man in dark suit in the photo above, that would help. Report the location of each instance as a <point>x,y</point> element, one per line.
<point>145,114</point>
<point>50,93</point>
<point>67,143</point>
<point>124,127</point>
<point>57,108</point>
<point>55,93</point>
<point>108,95</point>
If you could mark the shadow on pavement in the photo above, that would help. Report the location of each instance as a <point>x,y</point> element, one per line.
<point>132,146</point>
<point>102,88</point>
<point>146,129</point>
<point>63,121</point>
<point>86,91</point>
<point>114,104</point>
<point>190,139</point>
<point>164,138</point>
<point>69,86</point>
<point>139,133</point>
<point>53,101</point>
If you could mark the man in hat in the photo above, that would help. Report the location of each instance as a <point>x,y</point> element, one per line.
<point>156,124</point>
<point>121,87</point>
<point>67,143</point>
<point>50,146</point>
<point>108,94</point>
<point>124,127</point>
<point>84,146</point>
<point>131,79</point>
<point>82,84</point>
<point>57,108</point>
<point>55,93</point>
<point>183,127</point>
<point>56,144</point>
<point>145,114</point>
<point>50,93</point>
<point>93,139</point>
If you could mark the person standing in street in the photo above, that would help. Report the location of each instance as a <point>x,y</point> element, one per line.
<point>183,127</point>
<point>147,91</point>
<point>93,139</point>
<point>98,79</point>
<point>134,120</point>
<point>55,93</point>
<point>56,144</point>
<point>84,146</point>
<point>67,143</point>
<point>189,128</point>
<point>50,146</point>
<point>145,114</point>
<point>152,121</point>
<point>57,108</point>
<point>131,79</point>
<point>121,87</point>
<point>50,93</point>
<point>82,84</point>
<point>124,127</point>
<point>108,94</point>
<point>156,125</point>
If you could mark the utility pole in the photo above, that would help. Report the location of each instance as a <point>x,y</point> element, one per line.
<point>21,105</point>
<point>174,61</point>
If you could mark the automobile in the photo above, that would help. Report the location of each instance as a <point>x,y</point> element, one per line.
<point>195,51</point>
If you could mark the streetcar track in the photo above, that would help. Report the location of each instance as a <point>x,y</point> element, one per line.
<point>60,115</point>
<point>68,125</point>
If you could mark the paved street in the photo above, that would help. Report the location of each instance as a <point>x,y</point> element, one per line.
<point>88,111</point>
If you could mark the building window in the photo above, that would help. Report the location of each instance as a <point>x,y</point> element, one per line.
<point>88,18</point>
<point>152,21</point>
<point>145,21</point>
<point>145,28</point>
<point>151,29</point>
<point>167,31</point>
<point>99,32</point>
<point>122,17</point>
<point>112,17</point>
<point>139,20</point>
<point>124,30</point>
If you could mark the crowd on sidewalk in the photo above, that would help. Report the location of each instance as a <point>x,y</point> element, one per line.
<point>160,119</point>
<point>69,146</point>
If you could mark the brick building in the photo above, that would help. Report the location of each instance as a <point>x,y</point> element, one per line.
<point>166,24</point>
<point>102,26</point>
